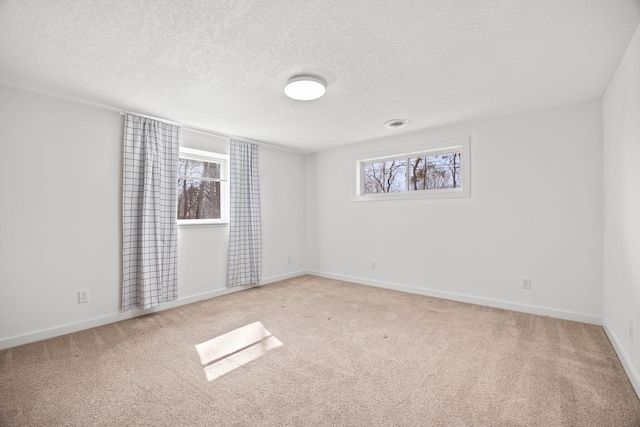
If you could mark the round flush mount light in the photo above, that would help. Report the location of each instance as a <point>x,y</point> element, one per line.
<point>396,123</point>
<point>304,88</point>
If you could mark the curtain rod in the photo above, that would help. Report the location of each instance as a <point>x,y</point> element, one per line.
<point>209,132</point>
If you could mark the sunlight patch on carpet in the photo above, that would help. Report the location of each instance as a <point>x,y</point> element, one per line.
<point>227,352</point>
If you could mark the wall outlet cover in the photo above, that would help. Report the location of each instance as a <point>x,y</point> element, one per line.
<point>83,296</point>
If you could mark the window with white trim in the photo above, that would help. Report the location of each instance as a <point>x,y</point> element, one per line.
<point>203,196</point>
<point>436,170</point>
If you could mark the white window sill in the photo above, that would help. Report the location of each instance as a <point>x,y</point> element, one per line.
<point>414,195</point>
<point>200,222</point>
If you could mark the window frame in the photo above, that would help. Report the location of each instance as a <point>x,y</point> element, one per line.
<point>223,161</point>
<point>424,150</point>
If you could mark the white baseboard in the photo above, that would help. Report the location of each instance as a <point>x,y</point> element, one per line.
<point>124,315</point>
<point>542,311</point>
<point>624,359</point>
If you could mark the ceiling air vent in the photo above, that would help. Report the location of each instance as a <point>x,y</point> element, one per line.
<point>396,123</point>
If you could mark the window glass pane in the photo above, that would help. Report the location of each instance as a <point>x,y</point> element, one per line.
<point>385,177</point>
<point>434,172</point>
<point>198,168</point>
<point>198,199</point>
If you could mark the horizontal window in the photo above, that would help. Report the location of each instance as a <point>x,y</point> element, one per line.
<point>437,170</point>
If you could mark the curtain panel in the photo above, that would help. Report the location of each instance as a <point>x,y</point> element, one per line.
<point>245,223</point>
<point>149,209</point>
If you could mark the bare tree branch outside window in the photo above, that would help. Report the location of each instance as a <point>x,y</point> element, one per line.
<point>385,177</point>
<point>435,172</point>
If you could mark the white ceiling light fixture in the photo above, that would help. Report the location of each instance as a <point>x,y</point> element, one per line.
<point>304,88</point>
<point>397,123</point>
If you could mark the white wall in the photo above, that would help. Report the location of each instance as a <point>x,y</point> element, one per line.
<point>621,118</point>
<point>60,218</point>
<point>535,210</point>
<point>283,201</point>
<point>60,215</point>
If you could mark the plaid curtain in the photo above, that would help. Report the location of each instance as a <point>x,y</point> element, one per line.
<point>245,224</point>
<point>149,209</point>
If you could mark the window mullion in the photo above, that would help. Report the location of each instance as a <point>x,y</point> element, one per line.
<point>406,174</point>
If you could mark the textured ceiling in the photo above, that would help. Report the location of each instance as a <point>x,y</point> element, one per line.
<point>222,65</point>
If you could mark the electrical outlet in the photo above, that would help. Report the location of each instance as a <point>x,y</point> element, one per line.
<point>289,259</point>
<point>373,265</point>
<point>526,283</point>
<point>83,296</point>
<point>631,329</point>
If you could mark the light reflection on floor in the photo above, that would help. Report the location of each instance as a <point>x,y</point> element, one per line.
<point>227,352</point>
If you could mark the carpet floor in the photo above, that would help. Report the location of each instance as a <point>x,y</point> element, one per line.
<point>310,351</point>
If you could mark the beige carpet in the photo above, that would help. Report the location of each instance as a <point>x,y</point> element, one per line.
<point>349,355</point>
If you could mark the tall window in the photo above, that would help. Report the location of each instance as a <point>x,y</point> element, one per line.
<point>437,170</point>
<point>202,187</point>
